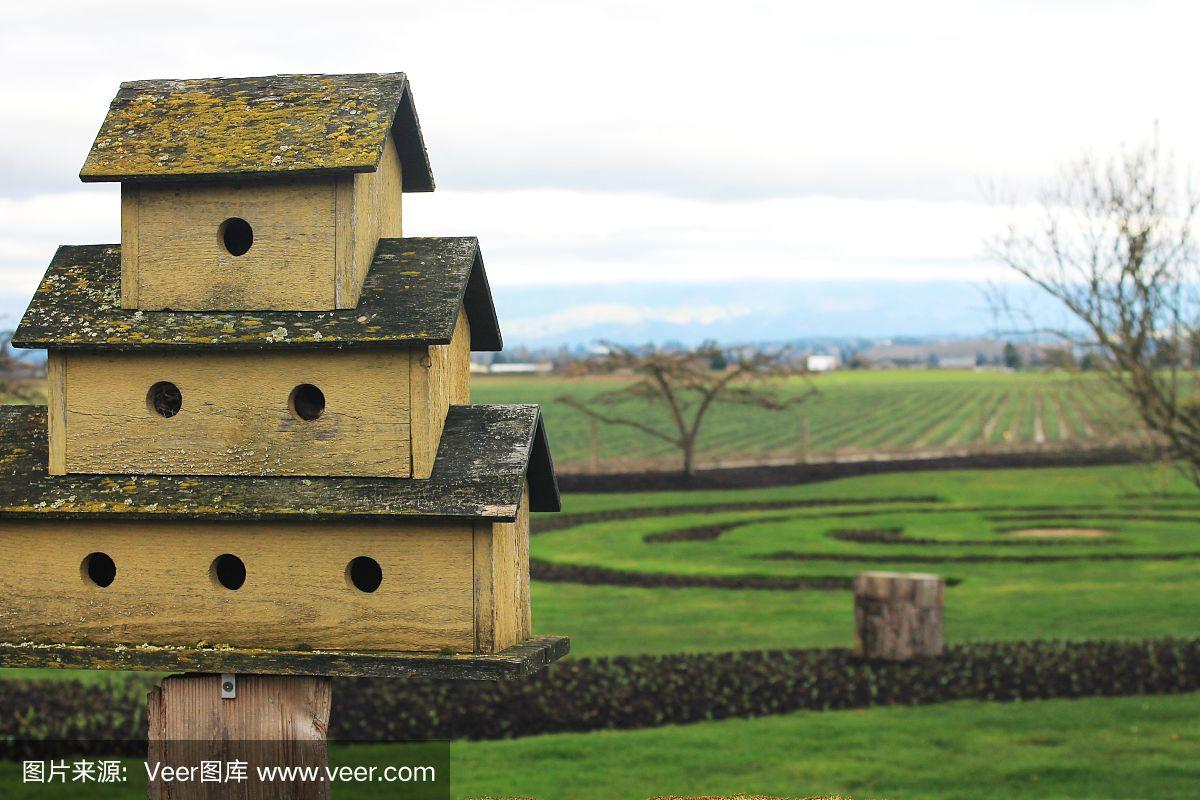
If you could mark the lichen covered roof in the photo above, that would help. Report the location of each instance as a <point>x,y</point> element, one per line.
<point>486,454</point>
<point>411,295</point>
<point>295,125</point>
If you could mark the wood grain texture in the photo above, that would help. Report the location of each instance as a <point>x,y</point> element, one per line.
<point>273,721</point>
<point>502,600</point>
<point>515,663</point>
<point>368,207</point>
<point>485,454</point>
<point>439,376</point>
<point>511,577</point>
<point>296,592</point>
<point>482,560</point>
<point>182,263</point>
<point>130,207</point>
<point>412,294</point>
<point>898,616</point>
<point>56,412</point>
<point>291,125</point>
<point>235,418</point>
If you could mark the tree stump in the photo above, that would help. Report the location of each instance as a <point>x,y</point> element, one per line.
<point>897,615</point>
<point>271,721</point>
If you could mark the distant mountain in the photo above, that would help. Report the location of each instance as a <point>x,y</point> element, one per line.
<point>540,316</point>
<point>754,311</point>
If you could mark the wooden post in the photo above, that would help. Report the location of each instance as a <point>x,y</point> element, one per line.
<point>271,720</point>
<point>898,616</point>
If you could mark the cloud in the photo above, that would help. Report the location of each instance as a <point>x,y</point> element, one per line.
<point>621,142</point>
<point>576,238</point>
<point>588,316</point>
<point>682,97</point>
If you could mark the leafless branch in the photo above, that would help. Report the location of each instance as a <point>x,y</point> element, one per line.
<point>687,384</point>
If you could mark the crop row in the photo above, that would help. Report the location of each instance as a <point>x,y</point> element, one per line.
<point>845,419</point>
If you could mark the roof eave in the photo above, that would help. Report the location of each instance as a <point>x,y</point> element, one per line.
<point>480,308</point>
<point>543,482</point>
<point>415,172</point>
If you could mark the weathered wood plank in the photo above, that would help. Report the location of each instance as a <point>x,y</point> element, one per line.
<point>235,417</point>
<point>514,663</point>
<point>440,376</point>
<point>485,454</point>
<point>897,615</point>
<point>56,412</point>
<point>273,721</point>
<point>296,592</point>
<point>510,575</point>
<point>368,209</point>
<point>130,208</point>
<point>485,588</point>
<point>412,294</point>
<point>502,602</point>
<point>293,125</point>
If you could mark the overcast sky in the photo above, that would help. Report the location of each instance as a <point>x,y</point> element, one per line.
<point>642,141</point>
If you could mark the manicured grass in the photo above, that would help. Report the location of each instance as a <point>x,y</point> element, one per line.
<point>855,412</point>
<point>1071,599</point>
<point>1098,748</point>
<point>1143,747</point>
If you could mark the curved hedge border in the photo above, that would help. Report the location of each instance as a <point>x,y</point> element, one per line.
<point>975,558</point>
<point>554,572</point>
<point>647,691</point>
<point>896,536</point>
<point>544,523</point>
<point>815,472</point>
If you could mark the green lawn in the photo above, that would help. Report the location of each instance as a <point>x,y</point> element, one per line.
<point>1136,747</point>
<point>897,411</point>
<point>1122,748</point>
<point>1071,599</point>
<point>1112,748</point>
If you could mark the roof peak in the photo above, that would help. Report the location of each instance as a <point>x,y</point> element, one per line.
<point>285,125</point>
<point>149,82</point>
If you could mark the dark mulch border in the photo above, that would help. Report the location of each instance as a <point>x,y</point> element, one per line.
<point>544,523</point>
<point>890,536</point>
<point>790,474</point>
<point>553,572</point>
<point>974,558</point>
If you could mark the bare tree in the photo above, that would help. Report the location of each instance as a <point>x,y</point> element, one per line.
<point>687,384</point>
<point>1112,241</point>
<point>18,375</point>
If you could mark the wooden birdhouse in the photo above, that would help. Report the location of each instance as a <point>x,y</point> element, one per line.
<point>258,452</point>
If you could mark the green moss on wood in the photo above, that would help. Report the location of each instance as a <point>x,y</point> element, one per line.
<point>516,662</point>
<point>411,296</point>
<point>242,127</point>
<point>485,455</point>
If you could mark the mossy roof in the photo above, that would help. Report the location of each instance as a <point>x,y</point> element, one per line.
<point>516,662</point>
<point>411,296</point>
<point>277,125</point>
<point>486,454</point>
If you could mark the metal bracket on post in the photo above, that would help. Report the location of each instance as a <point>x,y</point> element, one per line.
<point>228,687</point>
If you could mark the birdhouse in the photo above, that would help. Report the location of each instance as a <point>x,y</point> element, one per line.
<point>258,452</point>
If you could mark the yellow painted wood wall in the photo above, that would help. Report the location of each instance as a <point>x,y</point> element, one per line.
<point>502,603</point>
<point>440,378</point>
<point>296,592</point>
<point>235,417</point>
<point>384,411</point>
<point>314,239</point>
<point>449,586</point>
